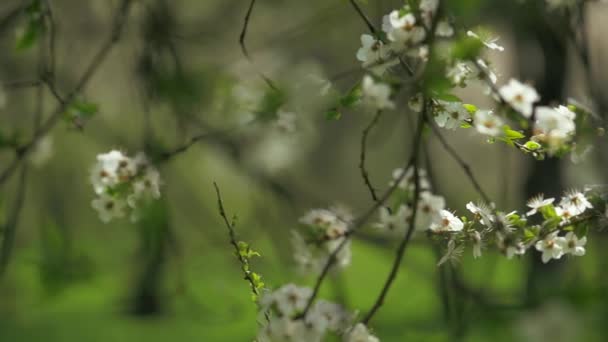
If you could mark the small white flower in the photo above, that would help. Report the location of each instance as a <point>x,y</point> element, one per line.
<point>490,43</point>
<point>520,96</point>
<point>376,94</point>
<point>415,103</point>
<point>446,222</point>
<point>393,222</point>
<point>328,315</point>
<point>147,185</point>
<point>487,123</point>
<point>104,172</point>
<point>575,202</point>
<point>482,212</point>
<point>460,72</point>
<point>551,247</point>
<point>537,202</point>
<point>554,126</point>
<point>571,244</point>
<point>359,333</point>
<point>286,121</point>
<point>374,54</point>
<point>429,207</point>
<point>285,329</point>
<point>42,152</point>
<point>450,114</point>
<point>402,30</point>
<point>477,244</point>
<point>444,29</point>
<point>109,207</point>
<point>509,246</point>
<point>407,182</point>
<point>290,299</point>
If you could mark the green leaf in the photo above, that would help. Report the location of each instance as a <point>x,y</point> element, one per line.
<point>333,114</point>
<point>352,97</point>
<point>270,104</point>
<point>447,97</point>
<point>469,107</point>
<point>467,48</point>
<point>532,145</point>
<point>29,36</point>
<point>512,135</point>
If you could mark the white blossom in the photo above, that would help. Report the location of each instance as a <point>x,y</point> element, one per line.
<point>537,202</point>
<point>520,96</point>
<point>490,43</point>
<point>429,208</point>
<point>487,123</point>
<point>377,94</point>
<point>416,103</point>
<point>551,247</point>
<point>286,121</point>
<point>482,212</point>
<point>407,182</point>
<point>575,202</point>
<point>393,222</point>
<point>444,29</point>
<point>42,151</point>
<point>360,333</point>
<point>402,29</point>
<point>554,125</point>
<point>571,244</point>
<point>285,329</point>
<point>450,114</point>
<point>446,222</point>
<point>509,246</point>
<point>109,207</point>
<point>328,315</point>
<point>477,244</point>
<point>374,54</point>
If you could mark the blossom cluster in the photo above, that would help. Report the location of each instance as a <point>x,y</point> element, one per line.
<point>121,183</point>
<point>284,308</point>
<point>430,212</point>
<point>553,229</point>
<point>324,230</point>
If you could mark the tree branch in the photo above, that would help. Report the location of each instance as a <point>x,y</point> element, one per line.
<point>243,34</point>
<point>463,165</point>
<point>364,172</point>
<point>23,150</point>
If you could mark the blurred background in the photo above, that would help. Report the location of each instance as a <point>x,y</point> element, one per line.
<point>178,72</point>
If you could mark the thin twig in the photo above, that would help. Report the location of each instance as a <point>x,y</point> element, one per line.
<point>357,224</point>
<point>364,172</point>
<point>10,228</point>
<point>243,34</point>
<point>412,225</point>
<point>463,165</point>
<point>230,224</point>
<point>53,119</point>
<point>369,24</point>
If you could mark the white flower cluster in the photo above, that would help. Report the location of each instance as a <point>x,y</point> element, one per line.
<point>430,212</point>
<point>376,94</point>
<point>404,34</point>
<point>120,183</point>
<point>513,235</point>
<point>283,307</point>
<point>324,231</point>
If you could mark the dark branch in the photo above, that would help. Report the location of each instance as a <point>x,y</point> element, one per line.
<point>412,224</point>
<point>369,24</point>
<point>463,165</point>
<point>244,30</point>
<point>53,119</point>
<point>364,172</point>
<point>10,228</point>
